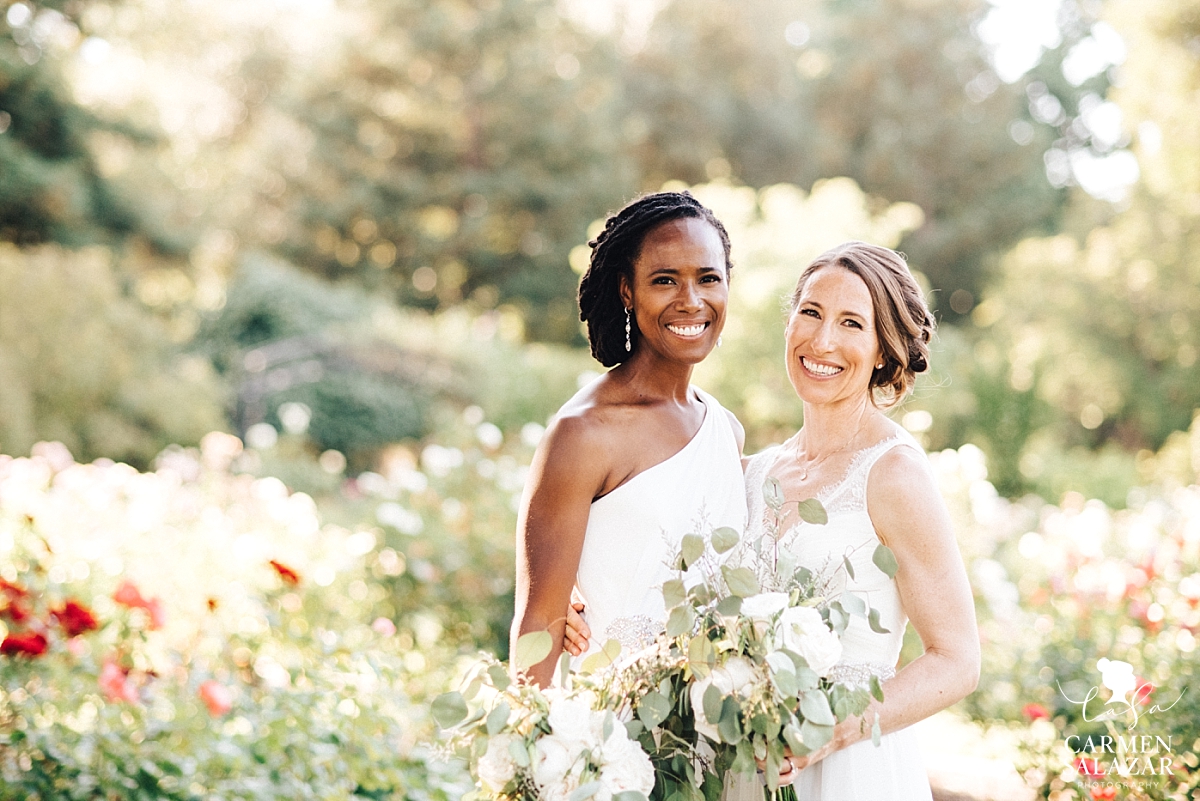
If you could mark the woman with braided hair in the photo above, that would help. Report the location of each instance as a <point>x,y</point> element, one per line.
<point>639,457</point>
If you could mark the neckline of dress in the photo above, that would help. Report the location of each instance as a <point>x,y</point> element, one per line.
<point>695,438</point>
<point>827,491</point>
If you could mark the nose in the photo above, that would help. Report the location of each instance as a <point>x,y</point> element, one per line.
<point>823,337</point>
<point>689,296</point>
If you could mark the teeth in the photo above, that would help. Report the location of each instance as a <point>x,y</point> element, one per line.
<point>687,330</point>
<point>820,369</point>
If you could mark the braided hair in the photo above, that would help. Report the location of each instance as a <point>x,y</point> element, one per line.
<point>614,252</point>
<point>903,322</point>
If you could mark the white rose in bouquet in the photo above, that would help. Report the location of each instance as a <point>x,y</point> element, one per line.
<point>735,677</point>
<point>802,630</point>
<point>765,605</point>
<point>554,762</point>
<point>571,721</point>
<point>624,765</point>
<point>496,767</point>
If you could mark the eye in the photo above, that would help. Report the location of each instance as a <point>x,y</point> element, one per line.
<point>711,279</point>
<point>662,280</point>
<point>855,324</point>
<point>811,313</point>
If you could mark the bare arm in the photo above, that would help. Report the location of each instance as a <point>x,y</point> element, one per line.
<point>568,471</point>
<point>912,520</point>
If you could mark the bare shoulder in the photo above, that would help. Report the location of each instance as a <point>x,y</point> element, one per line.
<point>903,499</point>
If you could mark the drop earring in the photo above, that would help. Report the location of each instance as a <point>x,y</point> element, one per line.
<point>628,344</point>
<point>718,340</point>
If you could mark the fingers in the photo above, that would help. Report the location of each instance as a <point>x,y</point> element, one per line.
<point>787,772</point>
<point>575,637</point>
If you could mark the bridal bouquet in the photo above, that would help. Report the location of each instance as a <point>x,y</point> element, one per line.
<point>758,637</point>
<point>743,674</point>
<point>524,743</point>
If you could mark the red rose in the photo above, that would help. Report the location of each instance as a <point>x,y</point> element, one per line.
<point>1035,712</point>
<point>1142,694</point>
<point>158,617</point>
<point>286,573</point>
<point>1089,766</point>
<point>216,697</point>
<point>1107,793</point>
<point>112,683</point>
<point>75,618</point>
<point>28,644</point>
<point>13,590</point>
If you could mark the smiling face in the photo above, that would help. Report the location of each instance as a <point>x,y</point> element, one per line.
<point>832,346</point>
<point>678,291</point>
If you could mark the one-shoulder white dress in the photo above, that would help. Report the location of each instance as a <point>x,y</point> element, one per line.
<point>633,531</point>
<point>862,772</point>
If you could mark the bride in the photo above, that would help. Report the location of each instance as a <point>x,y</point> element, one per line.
<point>639,457</point>
<point>856,337</point>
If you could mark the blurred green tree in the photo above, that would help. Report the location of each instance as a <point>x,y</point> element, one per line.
<point>52,186</point>
<point>896,94</point>
<point>85,365</point>
<point>458,153</point>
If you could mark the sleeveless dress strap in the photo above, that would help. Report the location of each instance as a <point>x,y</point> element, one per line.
<point>849,494</point>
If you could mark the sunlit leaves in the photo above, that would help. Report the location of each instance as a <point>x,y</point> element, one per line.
<point>741,581</point>
<point>449,709</point>
<point>812,511</point>
<point>531,649</point>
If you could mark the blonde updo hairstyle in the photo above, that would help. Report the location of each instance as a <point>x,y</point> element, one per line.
<point>903,322</point>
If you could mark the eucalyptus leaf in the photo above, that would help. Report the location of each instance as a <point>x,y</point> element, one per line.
<point>729,606</point>
<point>602,658</point>
<point>564,669</point>
<point>724,539</point>
<point>730,725</point>
<point>472,689</point>
<point>838,619</point>
<point>741,581</point>
<point>634,729</point>
<point>815,708</point>
<point>791,735</point>
<point>497,719</point>
<point>815,736</point>
<point>519,752</point>
<point>449,709</point>
<point>849,567</point>
<point>853,604</point>
<point>885,560</point>
<point>653,709</point>
<point>876,688</point>
<point>876,626</point>
<point>692,548</point>
<point>702,655</point>
<point>785,682</point>
<point>773,493</point>
<point>585,791</point>
<point>680,621</point>
<point>713,702</point>
<point>499,677</point>
<point>812,511</point>
<point>674,593</point>
<point>532,648</point>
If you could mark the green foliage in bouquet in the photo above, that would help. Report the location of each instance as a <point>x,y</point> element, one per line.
<point>741,676</point>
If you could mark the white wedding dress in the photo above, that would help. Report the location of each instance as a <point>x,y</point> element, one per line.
<point>633,531</point>
<point>893,771</point>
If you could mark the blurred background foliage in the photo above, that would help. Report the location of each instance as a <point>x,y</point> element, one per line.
<point>367,208</point>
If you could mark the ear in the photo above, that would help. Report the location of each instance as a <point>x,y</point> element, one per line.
<point>625,291</point>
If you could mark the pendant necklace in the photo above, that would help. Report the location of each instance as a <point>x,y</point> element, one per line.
<point>801,457</point>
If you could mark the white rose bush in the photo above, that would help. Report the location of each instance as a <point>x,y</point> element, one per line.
<point>741,676</point>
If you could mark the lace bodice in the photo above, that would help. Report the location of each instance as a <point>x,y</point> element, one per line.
<point>849,534</point>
